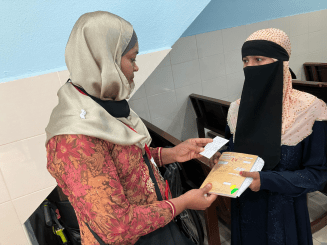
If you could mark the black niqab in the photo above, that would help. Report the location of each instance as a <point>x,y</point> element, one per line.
<point>259,122</point>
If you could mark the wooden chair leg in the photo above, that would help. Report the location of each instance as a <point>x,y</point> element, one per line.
<point>211,218</point>
<point>224,209</point>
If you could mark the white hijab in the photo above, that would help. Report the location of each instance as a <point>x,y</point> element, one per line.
<point>93,57</point>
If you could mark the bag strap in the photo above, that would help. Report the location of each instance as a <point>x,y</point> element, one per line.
<point>96,236</point>
<point>147,162</point>
<point>146,159</point>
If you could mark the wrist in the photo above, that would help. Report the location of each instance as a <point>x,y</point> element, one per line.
<point>160,157</point>
<point>172,154</point>
<point>173,208</point>
<point>168,155</point>
<point>186,200</point>
<point>180,204</point>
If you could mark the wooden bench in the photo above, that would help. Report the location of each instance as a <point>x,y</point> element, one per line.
<point>318,89</point>
<point>315,71</point>
<point>211,114</point>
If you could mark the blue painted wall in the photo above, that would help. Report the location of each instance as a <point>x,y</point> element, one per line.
<point>34,33</point>
<point>221,14</point>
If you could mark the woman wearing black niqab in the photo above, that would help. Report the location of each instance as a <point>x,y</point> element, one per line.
<point>284,127</point>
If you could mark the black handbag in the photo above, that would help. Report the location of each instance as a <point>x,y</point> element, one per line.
<point>69,221</point>
<point>188,221</point>
<point>170,234</point>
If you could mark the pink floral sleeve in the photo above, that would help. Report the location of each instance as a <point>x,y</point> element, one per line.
<point>156,154</point>
<point>109,188</point>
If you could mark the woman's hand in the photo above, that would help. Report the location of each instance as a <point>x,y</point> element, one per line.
<point>199,199</point>
<point>189,149</point>
<point>196,199</point>
<point>214,159</point>
<point>255,185</point>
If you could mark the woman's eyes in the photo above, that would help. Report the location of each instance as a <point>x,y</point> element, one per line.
<point>257,60</point>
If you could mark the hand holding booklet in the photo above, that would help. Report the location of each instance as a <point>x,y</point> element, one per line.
<point>225,178</point>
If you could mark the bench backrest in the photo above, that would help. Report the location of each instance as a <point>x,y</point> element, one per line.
<point>318,89</point>
<point>212,113</point>
<point>315,71</point>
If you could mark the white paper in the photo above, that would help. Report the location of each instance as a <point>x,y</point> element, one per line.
<point>211,148</point>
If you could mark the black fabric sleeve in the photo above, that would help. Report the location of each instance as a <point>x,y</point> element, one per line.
<point>313,172</point>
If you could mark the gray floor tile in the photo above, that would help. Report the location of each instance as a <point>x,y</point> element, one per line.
<point>317,205</point>
<point>321,236</point>
<point>226,243</point>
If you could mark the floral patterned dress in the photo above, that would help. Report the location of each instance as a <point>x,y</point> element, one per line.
<point>109,187</point>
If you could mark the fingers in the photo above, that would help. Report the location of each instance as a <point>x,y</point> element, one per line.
<point>197,144</point>
<point>206,188</point>
<point>192,146</point>
<point>212,198</point>
<point>249,174</point>
<point>201,140</point>
<point>209,197</point>
<point>254,186</point>
<point>195,148</point>
<point>215,159</point>
<point>196,155</point>
<point>212,163</point>
<point>217,156</point>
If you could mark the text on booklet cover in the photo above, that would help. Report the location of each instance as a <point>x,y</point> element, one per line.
<point>225,178</point>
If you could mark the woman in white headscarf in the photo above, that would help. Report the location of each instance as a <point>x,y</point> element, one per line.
<point>95,142</point>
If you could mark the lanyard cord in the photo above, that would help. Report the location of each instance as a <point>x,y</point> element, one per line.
<point>147,150</point>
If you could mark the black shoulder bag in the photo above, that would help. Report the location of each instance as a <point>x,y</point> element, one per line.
<point>188,221</point>
<point>167,235</point>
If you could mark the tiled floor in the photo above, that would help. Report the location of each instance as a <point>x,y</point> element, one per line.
<point>317,206</point>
